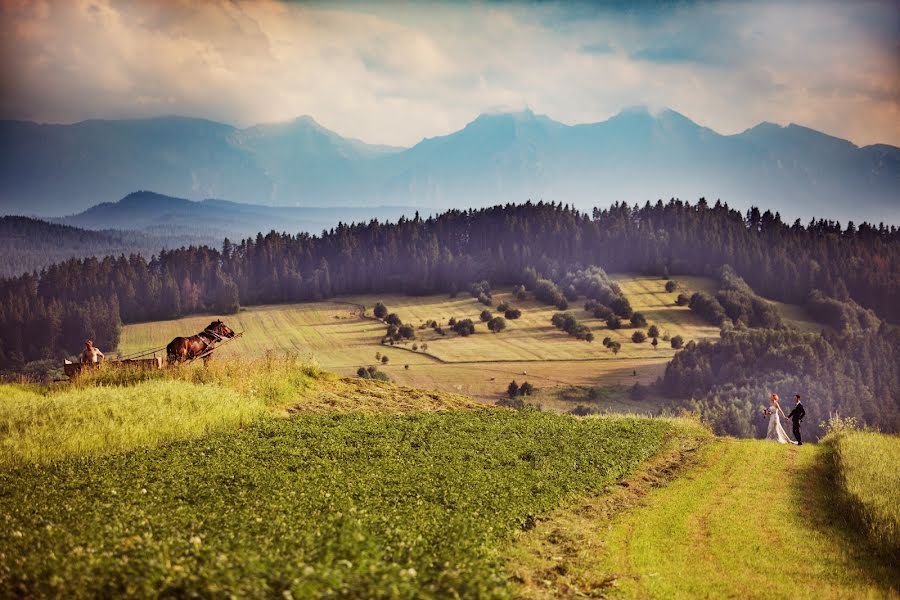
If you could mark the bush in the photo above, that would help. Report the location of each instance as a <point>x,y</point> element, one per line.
<point>464,328</point>
<point>513,313</point>
<point>512,390</point>
<point>503,306</point>
<point>678,342</point>
<point>372,373</point>
<point>670,286</point>
<point>526,389</point>
<point>615,347</point>
<point>393,319</point>
<point>607,341</point>
<point>497,324</point>
<point>653,331</point>
<point>486,316</point>
<point>638,320</point>
<point>407,332</point>
<point>682,300</point>
<point>485,299</point>
<point>638,337</point>
<point>384,359</point>
<point>380,310</point>
<point>614,322</point>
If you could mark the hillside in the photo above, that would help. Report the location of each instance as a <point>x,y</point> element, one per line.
<point>403,497</point>
<point>268,477</point>
<point>340,339</point>
<point>636,155</point>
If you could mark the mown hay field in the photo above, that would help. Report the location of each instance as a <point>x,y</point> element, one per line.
<point>339,338</point>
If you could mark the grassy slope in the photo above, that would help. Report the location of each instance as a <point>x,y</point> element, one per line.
<point>113,411</point>
<point>343,505</point>
<point>752,520</point>
<point>334,334</point>
<point>867,469</point>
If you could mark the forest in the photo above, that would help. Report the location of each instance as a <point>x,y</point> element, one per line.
<point>849,276</point>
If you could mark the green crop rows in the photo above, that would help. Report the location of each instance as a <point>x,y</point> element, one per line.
<point>314,506</point>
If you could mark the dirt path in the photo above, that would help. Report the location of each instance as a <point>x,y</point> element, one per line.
<point>751,519</point>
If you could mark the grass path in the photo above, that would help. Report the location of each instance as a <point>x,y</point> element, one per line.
<point>751,520</point>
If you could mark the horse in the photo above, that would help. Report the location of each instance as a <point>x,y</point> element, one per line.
<point>182,349</point>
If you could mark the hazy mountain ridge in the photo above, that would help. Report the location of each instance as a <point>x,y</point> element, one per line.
<point>634,156</point>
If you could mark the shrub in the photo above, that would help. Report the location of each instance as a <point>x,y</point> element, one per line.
<point>606,341</point>
<point>407,332</point>
<point>615,347</point>
<point>513,313</point>
<point>670,286</point>
<point>497,324</point>
<point>503,306</point>
<point>682,300</point>
<point>638,337</point>
<point>512,390</point>
<point>638,320</point>
<point>486,316</point>
<point>464,328</point>
<point>614,322</point>
<point>485,299</point>
<point>677,342</point>
<point>393,319</point>
<point>380,310</point>
<point>653,331</point>
<point>384,359</point>
<point>526,389</point>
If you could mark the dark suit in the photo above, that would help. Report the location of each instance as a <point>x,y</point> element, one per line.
<point>796,416</point>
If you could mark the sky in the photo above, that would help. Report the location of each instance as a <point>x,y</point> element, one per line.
<point>394,73</point>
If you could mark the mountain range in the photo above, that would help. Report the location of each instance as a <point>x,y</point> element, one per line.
<point>635,156</point>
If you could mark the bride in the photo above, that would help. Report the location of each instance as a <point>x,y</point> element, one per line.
<point>776,432</point>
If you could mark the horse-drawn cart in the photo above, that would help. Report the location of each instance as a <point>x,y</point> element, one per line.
<point>179,350</point>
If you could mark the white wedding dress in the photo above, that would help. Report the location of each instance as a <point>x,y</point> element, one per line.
<point>776,432</point>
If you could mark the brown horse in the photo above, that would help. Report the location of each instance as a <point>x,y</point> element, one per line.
<point>182,349</point>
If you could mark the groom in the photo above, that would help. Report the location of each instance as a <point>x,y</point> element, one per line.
<point>796,416</point>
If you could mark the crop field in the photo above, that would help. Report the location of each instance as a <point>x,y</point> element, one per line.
<point>352,505</point>
<point>339,338</point>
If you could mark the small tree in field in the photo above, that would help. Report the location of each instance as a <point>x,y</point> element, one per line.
<point>638,320</point>
<point>670,286</point>
<point>513,313</point>
<point>614,322</point>
<point>638,337</point>
<point>497,324</point>
<point>682,300</point>
<point>526,389</point>
<point>655,342</point>
<point>486,316</point>
<point>378,356</point>
<point>606,341</point>
<point>678,342</point>
<point>384,359</point>
<point>615,347</point>
<point>380,311</point>
<point>512,390</point>
<point>653,331</point>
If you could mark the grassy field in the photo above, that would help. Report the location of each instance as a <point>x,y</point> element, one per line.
<point>352,505</point>
<point>867,471</point>
<point>335,335</point>
<point>751,519</point>
<point>110,411</point>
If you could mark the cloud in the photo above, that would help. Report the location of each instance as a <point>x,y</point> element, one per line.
<point>390,73</point>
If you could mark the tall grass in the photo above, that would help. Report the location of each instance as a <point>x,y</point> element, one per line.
<point>867,469</point>
<point>112,410</point>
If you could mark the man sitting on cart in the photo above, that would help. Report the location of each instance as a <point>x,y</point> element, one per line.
<point>91,355</point>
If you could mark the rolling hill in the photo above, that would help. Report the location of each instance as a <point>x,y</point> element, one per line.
<point>635,156</point>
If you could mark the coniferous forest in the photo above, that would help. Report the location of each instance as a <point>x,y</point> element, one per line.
<point>848,276</point>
